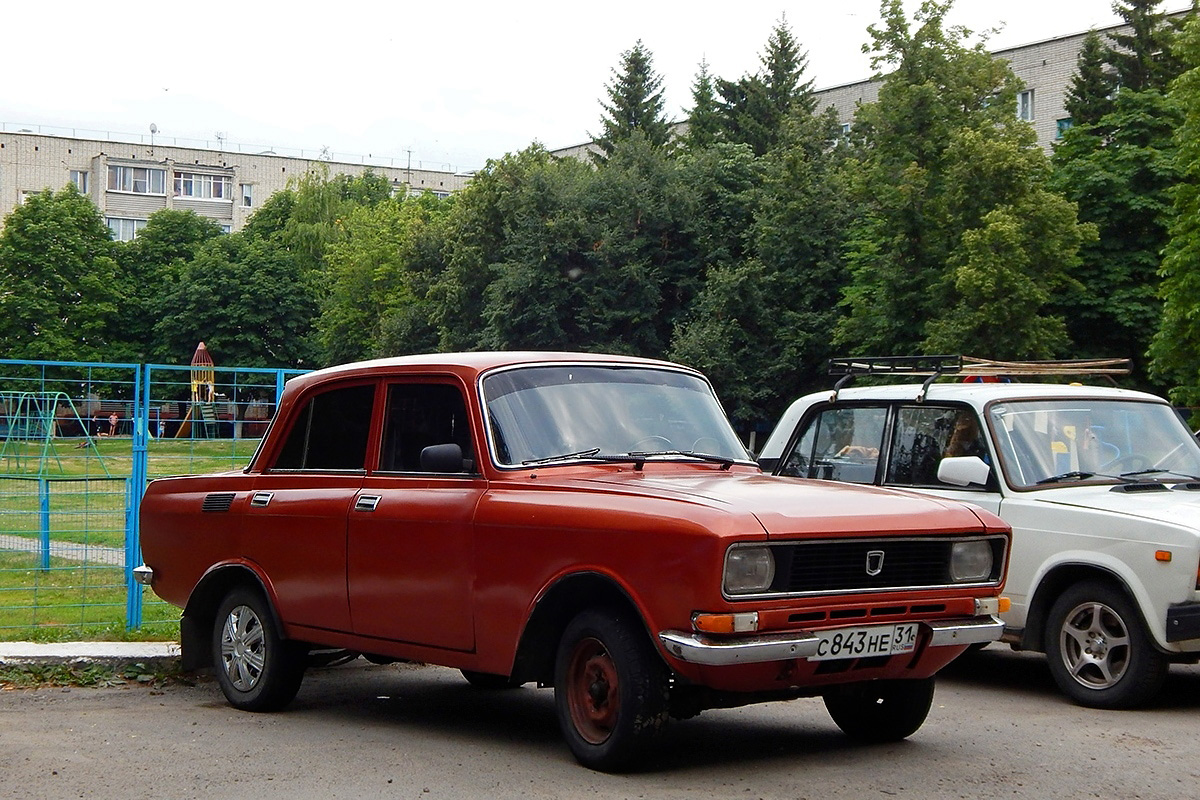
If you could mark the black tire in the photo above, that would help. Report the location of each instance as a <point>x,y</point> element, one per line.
<point>880,711</point>
<point>257,669</point>
<point>610,691</point>
<point>1100,653</point>
<point>489,682</point>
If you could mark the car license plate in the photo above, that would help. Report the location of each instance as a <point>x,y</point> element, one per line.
<point>877,640</point>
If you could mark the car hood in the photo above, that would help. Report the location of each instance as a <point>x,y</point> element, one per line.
<point>1177,506</point>
<point>787,506</point>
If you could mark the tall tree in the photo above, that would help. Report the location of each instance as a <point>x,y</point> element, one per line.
<point>248,299</point>
<point>635,103</point>
<point>1089,95</point>
<point>1119,170</point>
<point>704,120</point>
<point>61,288</point>
<point>1143,58</point>
<point>753,108</point>
<point>153,263</point>
<point>1175,349</point>
<point>379,277</point>
<point>760,325</point>
<point>946,160</point>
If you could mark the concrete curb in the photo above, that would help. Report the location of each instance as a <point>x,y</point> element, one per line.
<point>115,654</point>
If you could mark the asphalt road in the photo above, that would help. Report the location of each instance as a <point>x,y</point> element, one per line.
<point>998,729</point>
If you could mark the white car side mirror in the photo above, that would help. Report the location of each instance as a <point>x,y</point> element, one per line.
<point>963,471</point>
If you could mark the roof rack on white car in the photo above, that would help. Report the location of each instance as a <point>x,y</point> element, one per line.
<point>933,367</point>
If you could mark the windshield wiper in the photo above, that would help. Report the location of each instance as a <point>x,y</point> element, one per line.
<point>1077,475</point>
<point>1154,471</point>
<point>564,457</point>
<point>724,461</point>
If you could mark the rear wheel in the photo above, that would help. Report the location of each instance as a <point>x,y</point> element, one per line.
<point>1099,650</point>
<point>610,691</point>
<point>257,669</point>
<point>880,711</point>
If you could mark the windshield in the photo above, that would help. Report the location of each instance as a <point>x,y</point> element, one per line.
<point>1045,442</point>
<point>547,414</point>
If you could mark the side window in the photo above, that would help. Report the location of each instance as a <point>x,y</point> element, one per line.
<point>419,415</point>
<point>839,444</point>
<point>924,436</point>
<point>331,431</point>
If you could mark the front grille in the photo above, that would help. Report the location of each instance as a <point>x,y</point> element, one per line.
<point>842,565</point>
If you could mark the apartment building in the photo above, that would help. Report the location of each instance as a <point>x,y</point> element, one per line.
<point>129,181</point>
<point>1046,69</point>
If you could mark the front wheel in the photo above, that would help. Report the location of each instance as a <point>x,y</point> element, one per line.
<point>610,691</point>
<point>880,711</point>
<point>257,669</point>
<point>1100,653</point>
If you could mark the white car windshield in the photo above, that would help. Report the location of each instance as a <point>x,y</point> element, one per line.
<point>556,414</point>
<point>1050,442</point>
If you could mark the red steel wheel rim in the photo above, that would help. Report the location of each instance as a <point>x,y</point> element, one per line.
<point>593,690</point>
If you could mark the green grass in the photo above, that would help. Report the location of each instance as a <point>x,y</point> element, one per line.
<point>72,601</point>
<point>77,599</point>
<point>114,456</point>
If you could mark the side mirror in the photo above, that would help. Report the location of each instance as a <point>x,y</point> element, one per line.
<point>442,458</point>
<point>963,471</point>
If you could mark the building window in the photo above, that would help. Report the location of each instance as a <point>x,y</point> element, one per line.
<point>247,191</point>
<point>1062,126</point>
<point>79,177</point>
<point>124,230</point>
<point>204,187</point>
<point>1025,105</point>
<point>139,180</point>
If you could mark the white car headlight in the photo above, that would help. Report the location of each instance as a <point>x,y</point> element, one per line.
<point>748,570</point>
<point>971,561</point>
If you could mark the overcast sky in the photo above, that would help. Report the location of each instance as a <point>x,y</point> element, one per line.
<point>452,82</point>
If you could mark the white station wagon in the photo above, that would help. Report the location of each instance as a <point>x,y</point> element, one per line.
<point>1101,486</point>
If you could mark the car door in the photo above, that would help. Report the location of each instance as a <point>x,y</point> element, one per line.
<point>296,520</point>
<point>410,567</point>
<point>922,435</point>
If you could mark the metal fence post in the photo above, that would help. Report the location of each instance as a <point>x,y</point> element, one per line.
<point>134,487</point>
<point>44,523</point>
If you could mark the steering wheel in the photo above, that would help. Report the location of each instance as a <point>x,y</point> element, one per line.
<point>706,444</point>
<point>641,444</point>
<point>1134,462</point>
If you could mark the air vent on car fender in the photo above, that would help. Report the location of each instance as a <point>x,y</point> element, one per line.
<point>217,501</point>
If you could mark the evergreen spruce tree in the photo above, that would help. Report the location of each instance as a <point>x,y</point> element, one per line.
<point>753,109</point>
<point>704,121</point>
<point>635,103</point>
<point>1089,95</point>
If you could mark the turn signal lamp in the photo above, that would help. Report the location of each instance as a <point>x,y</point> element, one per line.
<point>726,623</point>
<point>1163,556</point>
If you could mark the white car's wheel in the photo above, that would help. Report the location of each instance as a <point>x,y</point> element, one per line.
<point>1099,650</point>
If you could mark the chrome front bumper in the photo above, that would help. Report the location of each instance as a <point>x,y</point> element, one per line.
<point>697,648</point>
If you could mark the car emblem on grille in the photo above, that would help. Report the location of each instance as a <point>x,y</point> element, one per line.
<point>874,562</point>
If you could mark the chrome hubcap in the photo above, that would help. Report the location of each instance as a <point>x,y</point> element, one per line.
<point>243,648</point>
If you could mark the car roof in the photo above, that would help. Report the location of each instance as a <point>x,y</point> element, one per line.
<point>468,365</point>
<point>980,394</point>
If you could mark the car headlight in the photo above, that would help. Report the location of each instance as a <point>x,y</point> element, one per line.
<point>971,561</point>
<point>748,569</point>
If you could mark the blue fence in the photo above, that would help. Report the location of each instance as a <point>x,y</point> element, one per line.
<point>78,443</point>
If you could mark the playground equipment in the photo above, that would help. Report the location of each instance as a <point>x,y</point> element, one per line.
<point>32,422</point>
<point>200,421</point>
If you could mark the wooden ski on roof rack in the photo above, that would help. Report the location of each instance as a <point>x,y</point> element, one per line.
<point>967,366</point>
